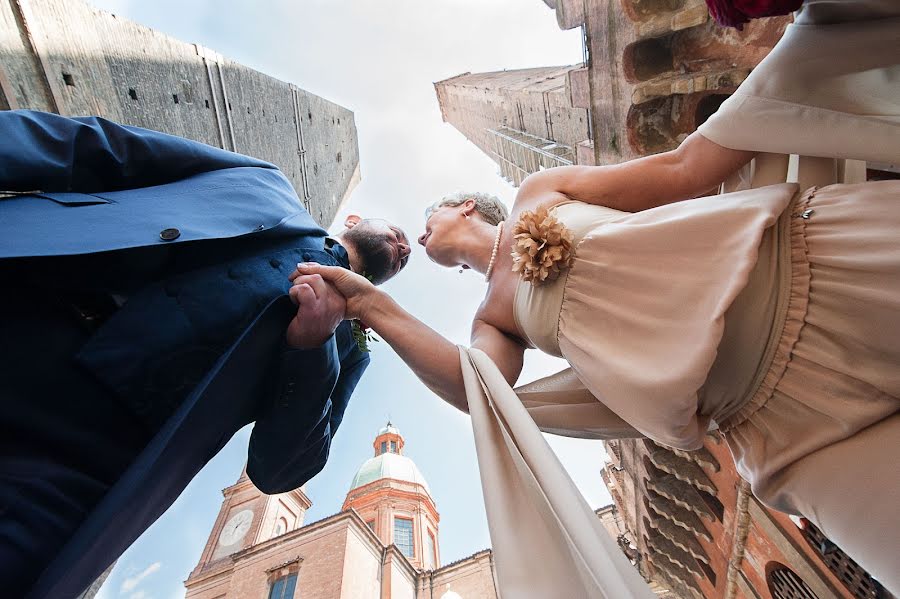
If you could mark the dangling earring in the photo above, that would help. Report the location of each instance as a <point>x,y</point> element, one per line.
<point>467,216</point>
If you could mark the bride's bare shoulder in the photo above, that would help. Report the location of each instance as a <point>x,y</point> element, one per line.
<point>538,189</point>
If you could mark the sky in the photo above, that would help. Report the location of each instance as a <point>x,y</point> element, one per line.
<point>380,60</point>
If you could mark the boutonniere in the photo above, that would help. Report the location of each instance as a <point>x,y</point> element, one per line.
<point>361,333</point>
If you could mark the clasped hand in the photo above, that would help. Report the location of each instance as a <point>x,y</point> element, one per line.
<point>324,296</point>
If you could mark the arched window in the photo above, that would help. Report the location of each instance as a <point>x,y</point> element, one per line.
<point>280,527</point>
<point>784,583</point>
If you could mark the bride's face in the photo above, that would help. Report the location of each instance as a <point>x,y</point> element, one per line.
<point>442,233</point>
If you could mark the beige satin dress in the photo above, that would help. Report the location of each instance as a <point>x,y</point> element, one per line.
<point>771,313</point>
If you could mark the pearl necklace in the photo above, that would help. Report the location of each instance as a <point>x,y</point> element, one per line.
<point>490,268</point>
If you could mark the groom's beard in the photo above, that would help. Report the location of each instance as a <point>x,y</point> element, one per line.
<point>376,255</point>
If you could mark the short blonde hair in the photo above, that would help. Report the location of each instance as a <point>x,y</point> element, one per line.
<point>491,209</point>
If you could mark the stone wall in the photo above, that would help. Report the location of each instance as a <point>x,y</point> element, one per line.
<point>656,70</point>
<point>64,56</point>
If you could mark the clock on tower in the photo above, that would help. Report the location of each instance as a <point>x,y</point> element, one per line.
<point>235,528</point>
<point>248,517</point>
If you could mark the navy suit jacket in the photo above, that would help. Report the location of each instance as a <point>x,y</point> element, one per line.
<point>87,185</point>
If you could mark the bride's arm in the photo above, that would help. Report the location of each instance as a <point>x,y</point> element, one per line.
<point>434,359</point>
<point>693,168</point>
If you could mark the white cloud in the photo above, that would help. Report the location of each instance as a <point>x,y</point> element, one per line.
<point>138,595</point>
<point>130,583</point>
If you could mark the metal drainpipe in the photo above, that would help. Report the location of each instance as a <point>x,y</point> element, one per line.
<point>586,58</point>
<point>741,529</point>
<point>494,576</point>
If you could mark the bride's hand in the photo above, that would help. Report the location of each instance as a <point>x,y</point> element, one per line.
<point>358,291</point>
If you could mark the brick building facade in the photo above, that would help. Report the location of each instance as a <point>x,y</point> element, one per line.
<point>691,525</point>
<point>384,544</point>
<point>66,57</point>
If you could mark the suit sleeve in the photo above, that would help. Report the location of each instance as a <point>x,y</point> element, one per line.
<point>47,152</point>
<point>290,444</point>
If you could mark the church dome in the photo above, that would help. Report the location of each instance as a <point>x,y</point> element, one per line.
<point>389,461</point>
<point>389,465</point>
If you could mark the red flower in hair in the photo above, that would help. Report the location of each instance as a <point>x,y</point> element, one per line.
<point>734,13</point>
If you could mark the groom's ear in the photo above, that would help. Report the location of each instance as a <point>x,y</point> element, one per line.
<point>352,220</point>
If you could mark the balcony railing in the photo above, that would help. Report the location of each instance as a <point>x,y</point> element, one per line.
<point>521,154</point>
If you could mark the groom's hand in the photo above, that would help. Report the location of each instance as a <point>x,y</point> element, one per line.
<point>359,292</point>
<point>320,309</point>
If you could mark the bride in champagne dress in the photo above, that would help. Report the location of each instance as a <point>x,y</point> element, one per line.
<point>771,313</point>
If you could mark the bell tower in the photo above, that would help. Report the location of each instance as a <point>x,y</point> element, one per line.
<point>393,498</point>
<point>248,517</point>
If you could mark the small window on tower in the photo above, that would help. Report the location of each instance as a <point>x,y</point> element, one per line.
<point>280,527</point>
<point>383,446</point>
<point>393,447</point>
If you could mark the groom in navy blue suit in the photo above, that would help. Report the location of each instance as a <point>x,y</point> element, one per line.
<point>145,316</point>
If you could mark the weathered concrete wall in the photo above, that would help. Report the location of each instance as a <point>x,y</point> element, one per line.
<point>64,56</point>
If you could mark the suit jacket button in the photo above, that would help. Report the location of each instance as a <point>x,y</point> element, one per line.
<point>169,234</point>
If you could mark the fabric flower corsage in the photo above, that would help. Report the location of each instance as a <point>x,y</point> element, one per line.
<point>734,13</point>
<point>542,246</point>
